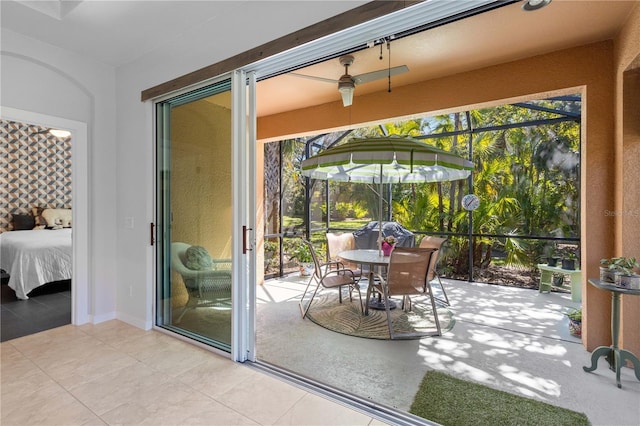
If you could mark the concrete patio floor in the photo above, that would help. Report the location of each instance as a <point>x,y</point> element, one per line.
<point>508,338</point>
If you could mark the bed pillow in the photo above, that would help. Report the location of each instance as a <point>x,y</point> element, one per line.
<point>23,222</point>
<point>198,258</point>
<point>57,218</point>
<point>37,215</point>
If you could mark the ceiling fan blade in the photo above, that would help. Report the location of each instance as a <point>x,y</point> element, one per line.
<point>312,77</point>
<point>376,75</point>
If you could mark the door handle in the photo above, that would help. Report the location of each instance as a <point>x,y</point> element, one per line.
<point>245,231</point>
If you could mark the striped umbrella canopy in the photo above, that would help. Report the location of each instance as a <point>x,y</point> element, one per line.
<point>389,159</point>
<point>386,160</point>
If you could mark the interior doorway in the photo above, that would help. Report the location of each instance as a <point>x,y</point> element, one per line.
<point>79,286</point>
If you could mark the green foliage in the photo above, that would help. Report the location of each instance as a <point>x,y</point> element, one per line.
<point>346,210</point>
<point>575,314</point>
<point>622,265</point>
<point>298,250</point>
<point>526,178</point>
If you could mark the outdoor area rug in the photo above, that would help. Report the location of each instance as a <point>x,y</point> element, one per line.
<point>346,318</point>
<point>450,401</point>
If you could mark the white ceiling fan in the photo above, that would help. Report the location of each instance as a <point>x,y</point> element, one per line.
<point>347,83</point>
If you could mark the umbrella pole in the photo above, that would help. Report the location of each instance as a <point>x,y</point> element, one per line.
<point>380,214</point>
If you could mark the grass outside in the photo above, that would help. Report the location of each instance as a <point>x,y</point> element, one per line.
<point>454,402</point>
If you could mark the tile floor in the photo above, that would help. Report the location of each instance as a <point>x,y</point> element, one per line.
<point>113,373</point>
<point>47,307</point>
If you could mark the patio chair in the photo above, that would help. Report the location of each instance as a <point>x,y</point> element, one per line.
<point>436,243</point>
<point>208,283</point>
<point>329,279</point>
<point>406,276</point>
<point>341,242</point>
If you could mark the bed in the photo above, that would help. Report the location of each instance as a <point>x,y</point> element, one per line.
<point>35,257</point>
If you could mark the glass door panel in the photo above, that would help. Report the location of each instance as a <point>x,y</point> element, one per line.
<point>195,215</point>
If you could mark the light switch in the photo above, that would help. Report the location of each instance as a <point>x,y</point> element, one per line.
<point>128,222</point>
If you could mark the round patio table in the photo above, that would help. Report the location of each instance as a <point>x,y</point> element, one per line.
<point>373,258</point>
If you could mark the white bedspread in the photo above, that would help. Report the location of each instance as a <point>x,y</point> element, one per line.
<point>36,257</point>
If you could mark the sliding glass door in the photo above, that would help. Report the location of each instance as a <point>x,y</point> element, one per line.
<point>201,266</point>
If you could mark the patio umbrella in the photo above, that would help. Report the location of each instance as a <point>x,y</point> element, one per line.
<point>389,159</point>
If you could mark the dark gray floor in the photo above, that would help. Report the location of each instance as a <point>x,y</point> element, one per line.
<point>47,307</point>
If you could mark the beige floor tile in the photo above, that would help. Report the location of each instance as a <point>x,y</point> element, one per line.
<point>49,405</point>
<point>217,376</point>
<point>218,415</point>
<point>148,345</point>
<point>15,366</point>
<point>315,410</point>
<point>16,389</point>
<point>168,403</point>
<point>42,345</point>
<point>120,387</point>
<point>177,358</point>
<point>99,361</point>
<point>262,398</point>
<point>114,332</point>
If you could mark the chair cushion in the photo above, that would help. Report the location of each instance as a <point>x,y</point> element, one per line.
<point>198,258</point>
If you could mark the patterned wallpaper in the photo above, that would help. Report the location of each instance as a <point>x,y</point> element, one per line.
<point>35,170</point>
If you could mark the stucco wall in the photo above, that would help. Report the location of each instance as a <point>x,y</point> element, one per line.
<point>587,69</point>
<point>200,181</point>
<point>201,176</point>
<point>627,149</point>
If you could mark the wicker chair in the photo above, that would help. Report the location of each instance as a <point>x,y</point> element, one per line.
<point>406,276</point>
<point>330,279</point>
<point>436,243</point>
<point>206,288</point>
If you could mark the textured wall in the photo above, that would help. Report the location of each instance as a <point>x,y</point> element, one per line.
<point>35,170</point>
<point>201,179</point>
<point>627,149</point>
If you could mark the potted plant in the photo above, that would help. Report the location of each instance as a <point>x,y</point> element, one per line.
<point>387,244</point>
<point>302,254</point>
<point>569,261</point>
<point>551,255</point>
<point>558,280</point>
<point>575,322</point>
<point>606,273</point>
<point>624,272</point>
<point>552,261</point>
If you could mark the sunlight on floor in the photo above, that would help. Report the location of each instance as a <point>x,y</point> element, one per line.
<point>512,339</point>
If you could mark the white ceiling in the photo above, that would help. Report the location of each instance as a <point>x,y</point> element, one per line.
<point>120,32</point>
<point>117,32</point>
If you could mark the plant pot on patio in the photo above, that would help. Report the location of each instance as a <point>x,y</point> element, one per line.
<point>575,322</point>
<point>558,280</point>
<point>569,264</point>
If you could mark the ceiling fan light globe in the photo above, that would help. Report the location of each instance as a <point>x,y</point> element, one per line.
<point>346,91</point>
